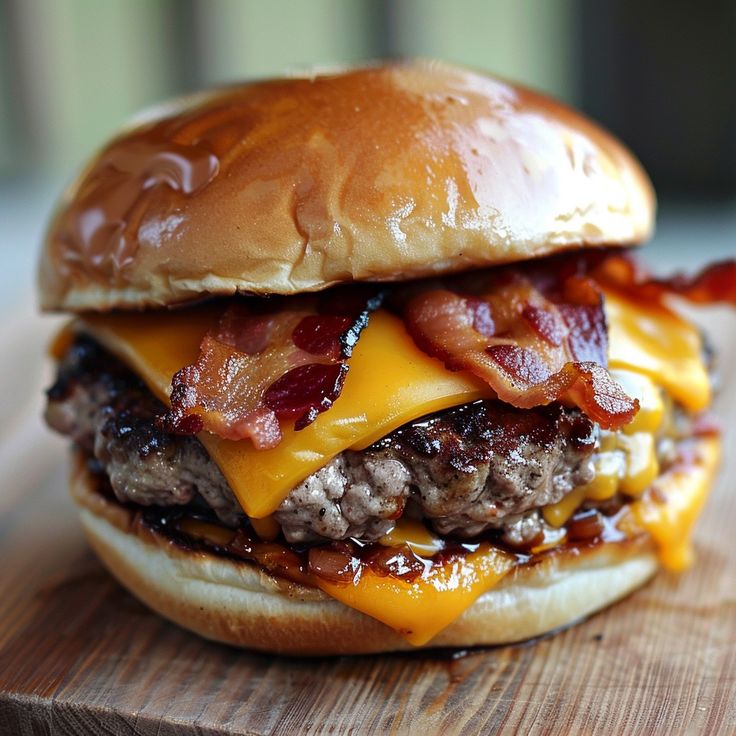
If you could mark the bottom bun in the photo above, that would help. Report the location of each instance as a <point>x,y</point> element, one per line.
<point>237,603</point>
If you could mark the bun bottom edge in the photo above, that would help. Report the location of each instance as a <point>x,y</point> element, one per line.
<point>238,604</point>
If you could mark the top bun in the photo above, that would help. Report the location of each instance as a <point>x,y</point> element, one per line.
<point>376,173</point>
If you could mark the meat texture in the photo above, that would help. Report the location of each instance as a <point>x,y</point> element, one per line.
<point>479,466</point>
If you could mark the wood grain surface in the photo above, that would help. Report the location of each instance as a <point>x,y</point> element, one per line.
<point>80,655</point>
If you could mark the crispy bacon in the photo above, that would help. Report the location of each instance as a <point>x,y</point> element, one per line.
<point>714,284</point>
<point>533,343</point>
<point>258,368</point>
<point>535,333</point>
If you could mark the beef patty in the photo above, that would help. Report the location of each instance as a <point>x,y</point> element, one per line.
<point>483,465</point>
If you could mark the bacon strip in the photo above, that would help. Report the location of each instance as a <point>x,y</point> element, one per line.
<point>535,333</point>
<point>530,347</point>
<point>714,284</point>
<point>259,369</point>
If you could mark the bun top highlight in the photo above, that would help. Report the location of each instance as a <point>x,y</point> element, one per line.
<point>383,173</point>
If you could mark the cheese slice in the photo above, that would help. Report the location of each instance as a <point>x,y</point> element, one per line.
<point>155,344</point>
<point>389,382</point>
<point>651,404</point>
<point>421,609</point>
<point>651,339</point>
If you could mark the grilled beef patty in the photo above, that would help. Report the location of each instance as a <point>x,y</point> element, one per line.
<point>483,465</point>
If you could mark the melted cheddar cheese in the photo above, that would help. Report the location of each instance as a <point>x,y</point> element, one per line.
<point>652,340</point>
<point>626,461</point>
<point>670,514</point>
<point>390,382</point>
<point>421,609</point>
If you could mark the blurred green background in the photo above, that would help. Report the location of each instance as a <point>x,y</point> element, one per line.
<point>73,70</point>
<point>661,75</point>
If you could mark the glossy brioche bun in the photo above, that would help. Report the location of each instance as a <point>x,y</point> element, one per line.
<point>377,173</point>
<point>238,604</point>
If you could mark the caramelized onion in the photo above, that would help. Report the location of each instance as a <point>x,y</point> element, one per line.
<point>398,562</point>
<point>272,556</point>
<point>585,525</point>
<point>334,564</point>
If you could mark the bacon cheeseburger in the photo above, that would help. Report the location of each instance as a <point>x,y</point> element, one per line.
<point>362,362</point>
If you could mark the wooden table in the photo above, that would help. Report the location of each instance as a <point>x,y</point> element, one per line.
<point>80,655</point>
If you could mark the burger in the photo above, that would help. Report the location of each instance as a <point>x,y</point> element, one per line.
<point>362,362</point>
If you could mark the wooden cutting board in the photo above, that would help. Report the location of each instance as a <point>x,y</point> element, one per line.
<point>80,655</point>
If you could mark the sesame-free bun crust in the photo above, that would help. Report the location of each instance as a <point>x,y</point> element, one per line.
<point>378,173</point>
<point>237,603</point>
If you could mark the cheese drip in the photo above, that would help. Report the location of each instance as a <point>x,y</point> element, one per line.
<point>421,609</point>
<point>626,461</point>
<point>670,513</point>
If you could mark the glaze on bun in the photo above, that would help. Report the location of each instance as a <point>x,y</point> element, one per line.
<point>378,173</point>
